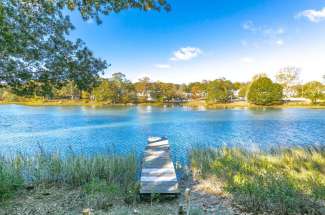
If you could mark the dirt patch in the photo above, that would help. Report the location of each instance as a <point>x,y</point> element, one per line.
<point>206,198</point>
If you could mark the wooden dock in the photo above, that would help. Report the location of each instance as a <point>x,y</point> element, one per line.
<point>158,173</point>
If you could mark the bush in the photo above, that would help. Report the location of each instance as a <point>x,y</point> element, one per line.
<point>262,91</point>
<point>287,182</point>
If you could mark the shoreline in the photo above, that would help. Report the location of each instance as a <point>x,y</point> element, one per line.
<point>190,104</point>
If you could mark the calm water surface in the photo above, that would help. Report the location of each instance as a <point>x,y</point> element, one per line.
<point>97,130</point>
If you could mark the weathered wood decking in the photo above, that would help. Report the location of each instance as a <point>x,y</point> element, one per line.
<point>158,172</point>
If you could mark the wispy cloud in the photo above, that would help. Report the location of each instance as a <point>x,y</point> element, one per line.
<point>186,53</point>
<point>272,32</point>
<point>264,34</point>
<point>162,66</point>
<point>249,26</point>
<point>264,30</point>
<point>313,15</point>
<point>247,60</point>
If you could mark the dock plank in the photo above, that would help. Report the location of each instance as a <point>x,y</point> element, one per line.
<point>158,173</point>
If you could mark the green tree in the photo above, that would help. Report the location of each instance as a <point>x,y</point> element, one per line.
<point>123,90</point>
<point>314,91</point>
<point>220,90</point>
<point>34,44</point>
<point>68,90</point>
<point>157,92</point>
<point>262,91</point>
<point>104,91</point>
<point>243,90</point>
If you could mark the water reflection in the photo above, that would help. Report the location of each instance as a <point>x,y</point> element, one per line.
<point>94,130</point>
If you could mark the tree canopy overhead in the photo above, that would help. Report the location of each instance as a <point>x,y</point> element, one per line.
<point>34,44</point>
<point>92,9</point>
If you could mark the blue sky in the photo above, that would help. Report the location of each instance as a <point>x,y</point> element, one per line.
<point>210,39</point>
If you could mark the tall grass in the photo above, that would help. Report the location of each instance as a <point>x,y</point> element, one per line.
<point>286,182</point>
<point>75,170</point>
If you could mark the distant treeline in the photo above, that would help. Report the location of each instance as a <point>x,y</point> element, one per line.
<point>119,90</point>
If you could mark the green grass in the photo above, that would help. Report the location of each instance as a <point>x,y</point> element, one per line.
<point>286,182</point>
<point>111,174</point>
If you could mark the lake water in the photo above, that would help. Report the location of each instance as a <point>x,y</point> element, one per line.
<point>125,129</point>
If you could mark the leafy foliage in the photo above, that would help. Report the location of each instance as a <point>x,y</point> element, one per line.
<point>262,91</point>
<point>35,54</point>
<point>220,90</point>
<point>314,91</point>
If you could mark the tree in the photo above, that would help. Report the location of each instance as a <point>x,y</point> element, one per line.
<point>104,91</point>
<point>122,89</point>
<point>243,90</point>
<point>142,88</point>
<point>34,44</point>
<point>156,91</point>
<point>34,47</point>
<point>219,90</point>
<point>314,91</point>
<point>93,9</point>
<point>262,91</point>
<point>69,90</point>
<point>288,77</point>
<point>198,89</point>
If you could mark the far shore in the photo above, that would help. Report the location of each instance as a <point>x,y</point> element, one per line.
<point>192,104</point>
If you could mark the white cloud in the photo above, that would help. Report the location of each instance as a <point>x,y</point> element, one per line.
<point>162,66</point>
<point>186,53</point>
<point>247,60</point>
<point>279,42</point>
<point>313,15</point>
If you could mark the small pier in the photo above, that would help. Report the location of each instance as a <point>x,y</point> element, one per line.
<point>158,174</point>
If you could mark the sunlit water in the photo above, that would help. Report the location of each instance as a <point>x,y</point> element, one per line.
<point>99,130</point>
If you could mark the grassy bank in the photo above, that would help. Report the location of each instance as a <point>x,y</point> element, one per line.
<point>52,184</point>
<point>243,104</point>
<point>81,102</point>
<point>113,175</point>
<point>63,102</point>
<point>286,182</point>
<point>193,104</point>
<point>283,182</point>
